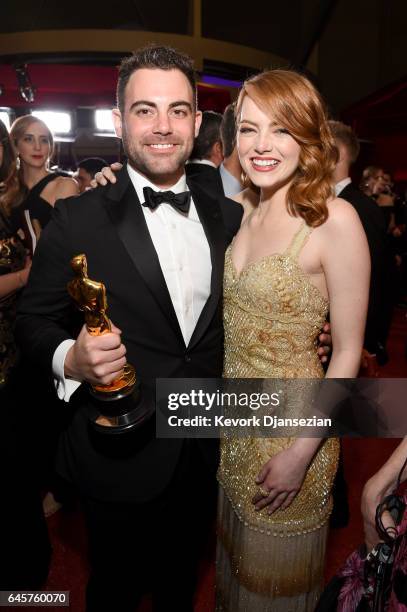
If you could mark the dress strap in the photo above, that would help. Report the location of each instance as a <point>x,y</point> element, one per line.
<point>299,240</point>
<point>38,187</point>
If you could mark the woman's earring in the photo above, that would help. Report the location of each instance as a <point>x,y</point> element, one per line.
<point>18,162</point>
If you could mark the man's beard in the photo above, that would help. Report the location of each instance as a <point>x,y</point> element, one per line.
<point>159,168</point>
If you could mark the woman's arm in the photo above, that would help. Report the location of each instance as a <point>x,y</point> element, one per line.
<point>345,260</point>
<point>377,488</point>
<point>14,281</point>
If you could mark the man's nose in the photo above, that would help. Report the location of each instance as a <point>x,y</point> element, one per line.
<point>162,124</point>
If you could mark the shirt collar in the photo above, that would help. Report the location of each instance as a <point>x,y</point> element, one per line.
<point>204,162</point>
<point>139,182</point>
<point>342,184</point>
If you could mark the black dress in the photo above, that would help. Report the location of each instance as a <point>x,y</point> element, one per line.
<point>23,532</point>
<point>48,422</point>
<point>39,208</point>
<point>12,259</point>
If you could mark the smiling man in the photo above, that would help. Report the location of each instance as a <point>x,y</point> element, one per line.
<point>157,242</point>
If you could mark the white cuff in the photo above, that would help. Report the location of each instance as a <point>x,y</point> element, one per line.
<point>65,387</point>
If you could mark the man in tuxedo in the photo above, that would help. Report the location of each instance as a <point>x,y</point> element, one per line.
<point>86,170</point>
<point>207,154</point>
<point>373,224</point>
<point>372,221</point>
<point>146,500</point>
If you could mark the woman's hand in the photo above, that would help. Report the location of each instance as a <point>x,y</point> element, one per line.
<point>372,496</point>
<point>325,343</point>
<point>282,476</point>
<point>106,175</point>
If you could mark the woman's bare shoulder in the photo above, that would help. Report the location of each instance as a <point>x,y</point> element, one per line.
<point>343,222</point>
<point>340,212</point>
<point>65,186</point>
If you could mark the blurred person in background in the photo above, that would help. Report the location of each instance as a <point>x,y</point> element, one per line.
<point>230,169</point>
<point>25,547</point>
<point>34,146</point>
<point>207,155</point>
<point>86,170</point>
<point>374,225</point>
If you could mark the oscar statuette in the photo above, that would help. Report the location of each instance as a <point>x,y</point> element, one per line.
<point>118,406</point>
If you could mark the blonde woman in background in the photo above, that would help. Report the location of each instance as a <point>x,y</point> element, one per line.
<point>34,146</point>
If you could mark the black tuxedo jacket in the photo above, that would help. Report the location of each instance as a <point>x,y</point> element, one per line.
<point>108,225</point>
<point>373,223</point>
<point>208,177</point>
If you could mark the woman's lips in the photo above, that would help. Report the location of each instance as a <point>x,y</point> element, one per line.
<point>264,164</point>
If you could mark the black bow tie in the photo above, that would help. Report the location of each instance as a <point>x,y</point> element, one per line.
<point>180,201</point>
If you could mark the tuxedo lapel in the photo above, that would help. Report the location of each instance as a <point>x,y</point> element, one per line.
<point>209,213</point>
<point>125,212</point>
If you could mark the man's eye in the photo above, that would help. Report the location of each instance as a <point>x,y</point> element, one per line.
<point>179,112</point>
<point>143,111</point>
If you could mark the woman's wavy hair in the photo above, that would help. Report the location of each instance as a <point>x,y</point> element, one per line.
<point>296,105</point>
<point>10,188</point>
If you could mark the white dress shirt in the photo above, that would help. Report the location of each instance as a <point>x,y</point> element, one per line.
<point>231,186</point>
<point>184,255</point>
<point>342,184</point>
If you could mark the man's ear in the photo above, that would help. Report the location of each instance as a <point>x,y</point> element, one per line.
<point>217,153</point>
<point>117,122</point>
<point>198,121</point>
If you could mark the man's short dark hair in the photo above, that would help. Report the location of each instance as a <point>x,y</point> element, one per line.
<point>228,129</point>
<point>209,133</point>
<point>345,135</point>
<point>91,165</point>
<point>154,56</point>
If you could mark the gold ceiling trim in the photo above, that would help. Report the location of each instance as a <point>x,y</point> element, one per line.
<point>124,41</point>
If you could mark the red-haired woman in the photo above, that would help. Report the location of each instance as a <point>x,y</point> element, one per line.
<point>299,252</point>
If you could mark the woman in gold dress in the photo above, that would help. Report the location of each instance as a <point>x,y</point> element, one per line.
<point>298,253</point>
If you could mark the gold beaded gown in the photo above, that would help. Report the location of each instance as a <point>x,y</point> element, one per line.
<point>272,317</point>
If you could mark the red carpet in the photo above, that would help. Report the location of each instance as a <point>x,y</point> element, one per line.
<point>69,567</point>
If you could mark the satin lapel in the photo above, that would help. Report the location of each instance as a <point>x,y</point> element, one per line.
<point>210,215</point>
<point>128,219</point>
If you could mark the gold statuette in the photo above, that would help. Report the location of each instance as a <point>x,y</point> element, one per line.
<point>90,298</point>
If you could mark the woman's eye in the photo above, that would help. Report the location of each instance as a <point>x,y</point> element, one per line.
<point>282,131</point>
<point>245,130</point>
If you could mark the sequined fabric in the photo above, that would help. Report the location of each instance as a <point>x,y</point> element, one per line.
<point>12,258</point>
<point>272,317</point>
